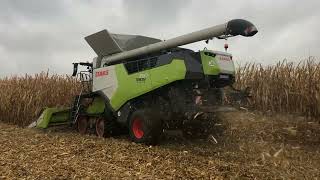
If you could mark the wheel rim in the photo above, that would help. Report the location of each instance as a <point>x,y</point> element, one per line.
<point>137,128</point>
<point>100,127</point>
<point>82,124</point>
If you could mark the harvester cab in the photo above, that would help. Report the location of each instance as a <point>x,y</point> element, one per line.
<point>144,85</point>
<point>76,65</point>
<point>84,76</point>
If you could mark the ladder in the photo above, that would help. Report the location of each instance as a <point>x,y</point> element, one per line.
<point>85,78</point>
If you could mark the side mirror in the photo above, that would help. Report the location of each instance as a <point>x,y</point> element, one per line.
<point>75,69</point>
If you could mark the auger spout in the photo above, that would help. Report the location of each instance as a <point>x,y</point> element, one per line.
<point>233,27</point>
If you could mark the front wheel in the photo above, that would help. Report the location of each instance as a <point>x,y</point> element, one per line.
<point>145,126</point>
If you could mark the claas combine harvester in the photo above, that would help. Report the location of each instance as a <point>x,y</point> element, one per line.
<point>143,85</point>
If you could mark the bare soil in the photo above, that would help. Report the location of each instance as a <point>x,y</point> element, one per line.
<point>249,146</point>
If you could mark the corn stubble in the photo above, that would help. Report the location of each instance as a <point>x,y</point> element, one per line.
<point>282,88</point>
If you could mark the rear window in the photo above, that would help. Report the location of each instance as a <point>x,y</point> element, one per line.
<point>210,54</point>
<point>140,65</point>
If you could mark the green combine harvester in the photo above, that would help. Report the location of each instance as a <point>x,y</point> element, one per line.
<point>143,85</point>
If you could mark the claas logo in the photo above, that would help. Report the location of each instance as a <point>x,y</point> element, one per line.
<point>102,73</point>
<point>225,58</point>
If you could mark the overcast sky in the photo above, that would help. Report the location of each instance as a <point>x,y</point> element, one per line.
<point>37,35</point>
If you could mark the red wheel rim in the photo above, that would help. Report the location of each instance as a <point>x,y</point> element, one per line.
<point>137,128</point>
<point>82,123</point>
<point>100,127</point>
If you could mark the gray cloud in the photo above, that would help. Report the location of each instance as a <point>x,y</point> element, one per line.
<point>34,10</point>
<point>38,35</point>
<point>146,15</point>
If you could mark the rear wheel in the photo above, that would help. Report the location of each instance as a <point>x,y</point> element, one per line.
<point>145,126</point>
<point>137,128</point>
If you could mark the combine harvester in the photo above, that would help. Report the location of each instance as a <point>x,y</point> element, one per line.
<point>145,85</point>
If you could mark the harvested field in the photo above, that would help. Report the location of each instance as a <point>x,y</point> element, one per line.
<point>251,146</point>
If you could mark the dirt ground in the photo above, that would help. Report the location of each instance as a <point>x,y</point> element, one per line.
<point>249,146</point>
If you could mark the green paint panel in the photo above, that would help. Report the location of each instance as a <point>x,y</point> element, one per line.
<point>166,74</point>
<point>209,64</point>
<point>129,86</point>
<point>97,106</point>
<point>136,84</point>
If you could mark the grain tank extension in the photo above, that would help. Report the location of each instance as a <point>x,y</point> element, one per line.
<point>143,85</point>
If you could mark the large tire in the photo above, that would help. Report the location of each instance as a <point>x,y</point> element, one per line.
<point>145,126</point>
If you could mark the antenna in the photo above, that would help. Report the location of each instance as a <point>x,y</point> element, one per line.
<point>226,46</point>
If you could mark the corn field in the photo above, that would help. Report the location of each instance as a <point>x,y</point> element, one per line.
<point>23,98</point>
<point>282,88</point>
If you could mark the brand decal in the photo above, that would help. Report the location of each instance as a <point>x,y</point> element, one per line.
<point>102,73</point>
<point>211,63</point>
<point>142,77</point>
<point>225,58</point>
